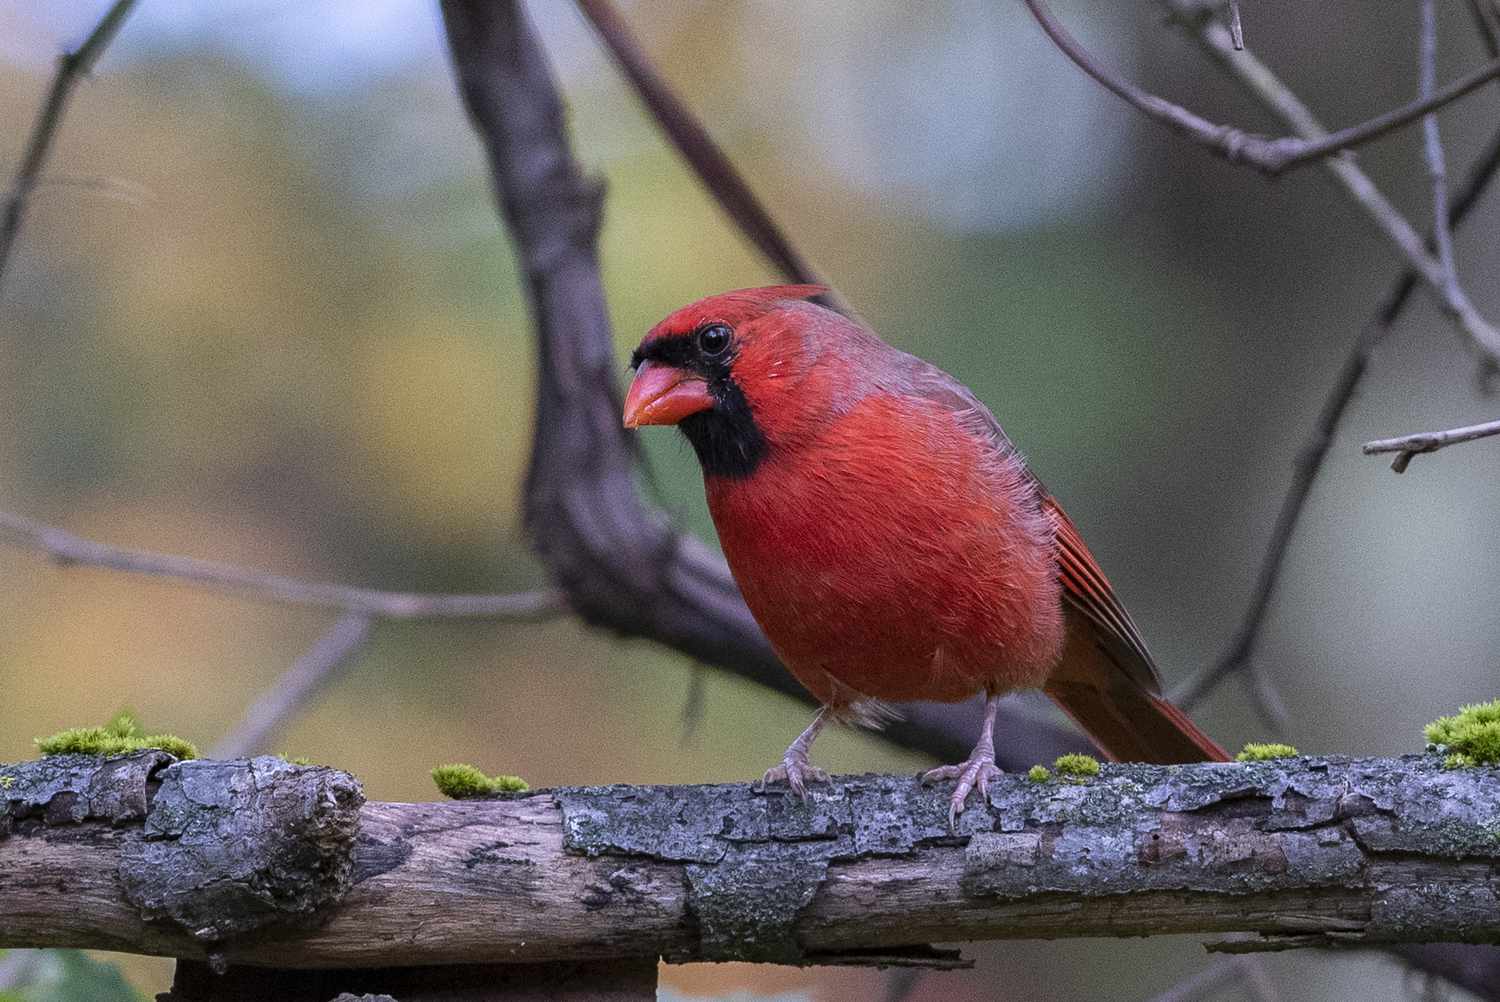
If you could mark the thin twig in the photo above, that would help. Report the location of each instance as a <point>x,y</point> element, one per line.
<point>67,548</point>
<point>692,140</point>
<point>70,67</point>
<point>1241,649</point>
<point>289,693</point>
<point>1271,156</point>
<point>1408,446</point>
<point>1236,26</point>
<point>1433,147</point>
<point>1267,88</point>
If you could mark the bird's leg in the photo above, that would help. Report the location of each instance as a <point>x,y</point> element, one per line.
<point>977,770</point>
<point>794,767</point>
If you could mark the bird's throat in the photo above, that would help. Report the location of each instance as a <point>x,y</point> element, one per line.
<point>726,438</point>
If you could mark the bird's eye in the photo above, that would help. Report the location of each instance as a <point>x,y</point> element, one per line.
<point>713,339</point>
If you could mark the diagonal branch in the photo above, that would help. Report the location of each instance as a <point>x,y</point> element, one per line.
<point>1271,156</point>
<point>308,675</point>
<point>1310,457</point>
<point>70,67</point>
<point>692,140</point>
<point>67,548</point>
<point>1271,92</point>
<point>1408,446</point>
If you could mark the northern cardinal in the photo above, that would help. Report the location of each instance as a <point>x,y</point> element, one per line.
<point>887,536</point>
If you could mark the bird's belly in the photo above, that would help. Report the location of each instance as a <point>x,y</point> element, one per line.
<point>887,587</point>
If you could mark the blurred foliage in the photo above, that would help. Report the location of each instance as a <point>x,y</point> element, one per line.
<point>261,311</point>
<point>68,976</point>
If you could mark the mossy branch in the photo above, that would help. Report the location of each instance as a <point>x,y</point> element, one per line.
<point>1302,851</point>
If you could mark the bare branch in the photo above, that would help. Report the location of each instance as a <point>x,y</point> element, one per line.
<point>66,548</point>
<point>1239,655</point>
<point>1272,156</point>
<point>70,67</point>
<point>1408,446</point>
<point>692,140</point>
<point>300,683</point>
<point>1267,88</point>
<point>1236,26</point>
<point>1442,234</point>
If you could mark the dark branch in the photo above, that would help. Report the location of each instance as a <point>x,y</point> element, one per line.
<point>691,138</point>
<point>70,67</point>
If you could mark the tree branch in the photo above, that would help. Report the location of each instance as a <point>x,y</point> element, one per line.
<point>717,172</point>
<point>1408,446</point>
<point>1330,852</point>
<point>1432,145</point>
<point>304,679</point>
<point>1241,649</point>
<point>70,67</point>
<point>69,549</point>
<point>1271,156</point>
<point>1196,17</point>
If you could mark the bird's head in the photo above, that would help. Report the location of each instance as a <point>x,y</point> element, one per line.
<point>732,372</point>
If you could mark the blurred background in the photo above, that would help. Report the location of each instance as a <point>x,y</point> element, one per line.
<point>262,311</point>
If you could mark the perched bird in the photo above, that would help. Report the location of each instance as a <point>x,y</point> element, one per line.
<point>887,536</point>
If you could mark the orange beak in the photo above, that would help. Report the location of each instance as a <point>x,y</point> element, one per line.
<point>662,394</point>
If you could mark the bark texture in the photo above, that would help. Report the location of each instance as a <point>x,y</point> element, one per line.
<point>261,862</point>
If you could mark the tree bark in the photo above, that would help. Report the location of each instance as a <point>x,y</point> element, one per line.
<point>264,863</point>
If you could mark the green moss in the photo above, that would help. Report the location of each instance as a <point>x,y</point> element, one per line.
<point>458,780</point>
<point>295,759</point>
<point>121,736</point>
<point>1039,774</point>
<point>1076,766</point>
<point>1254,752</point>
<point>7,781</point>
<point>1470,737</point>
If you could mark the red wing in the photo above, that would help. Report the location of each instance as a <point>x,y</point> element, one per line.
<point>1087,589</point>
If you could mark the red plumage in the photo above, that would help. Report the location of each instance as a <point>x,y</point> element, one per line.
<point>886,534</point>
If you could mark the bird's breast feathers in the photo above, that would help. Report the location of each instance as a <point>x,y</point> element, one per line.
<point>896,556</point>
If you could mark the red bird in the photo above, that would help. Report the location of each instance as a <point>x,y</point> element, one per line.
<point>887,536</point>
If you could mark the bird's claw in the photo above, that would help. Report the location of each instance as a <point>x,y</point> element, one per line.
<point>797,772</point>
<point>974,773</point>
